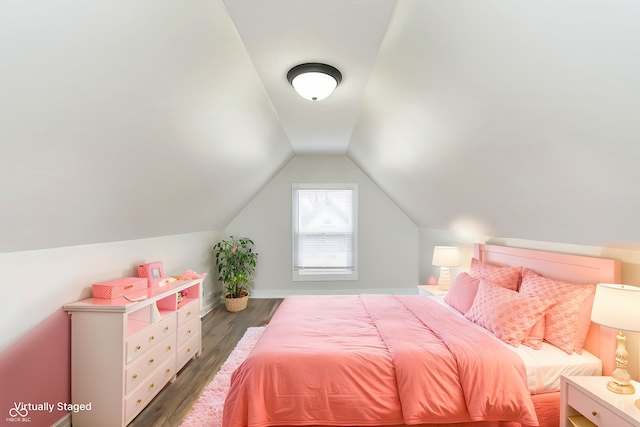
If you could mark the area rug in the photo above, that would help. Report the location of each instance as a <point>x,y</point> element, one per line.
<point>207,411</point>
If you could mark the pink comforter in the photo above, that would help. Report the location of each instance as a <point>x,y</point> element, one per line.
<point>375,360</point>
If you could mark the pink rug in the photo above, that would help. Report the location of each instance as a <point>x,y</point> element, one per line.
<point>207,411</point>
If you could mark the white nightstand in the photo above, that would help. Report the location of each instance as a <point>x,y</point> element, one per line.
<point>585,401</point>
<point>431,290</point>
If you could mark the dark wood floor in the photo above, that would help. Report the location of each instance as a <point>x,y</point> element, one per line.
<point>221,331</point>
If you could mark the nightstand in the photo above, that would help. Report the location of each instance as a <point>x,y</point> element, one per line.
<point>586,402</point>
<point>431,290</point>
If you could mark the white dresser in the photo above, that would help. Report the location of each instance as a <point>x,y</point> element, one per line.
<point>123,353</point>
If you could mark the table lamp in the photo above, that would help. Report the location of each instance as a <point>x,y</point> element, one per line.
<point>618,307</point>
<point>445,257</point>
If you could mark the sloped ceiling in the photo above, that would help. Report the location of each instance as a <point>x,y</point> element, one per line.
<point>127,119</point>
<point>517,119</point>
<point>122,120</point>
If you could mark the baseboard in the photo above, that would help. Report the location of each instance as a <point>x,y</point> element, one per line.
<point>206,309</point>
<point>63,422</point>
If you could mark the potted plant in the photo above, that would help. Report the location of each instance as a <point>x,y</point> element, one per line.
<point>236,262</point>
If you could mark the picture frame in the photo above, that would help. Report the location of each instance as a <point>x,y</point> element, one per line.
<point>153,271</point>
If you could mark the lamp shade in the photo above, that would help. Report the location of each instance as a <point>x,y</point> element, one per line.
<point>617,306</point>
<point>314,81</point>
<point>446,256</point>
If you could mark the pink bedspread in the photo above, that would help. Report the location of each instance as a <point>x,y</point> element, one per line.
<point>375,360</point>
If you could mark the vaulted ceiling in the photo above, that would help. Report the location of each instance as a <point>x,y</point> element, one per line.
<point>122,120</point>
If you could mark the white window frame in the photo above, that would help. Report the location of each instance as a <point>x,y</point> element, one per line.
<point>321,274</point>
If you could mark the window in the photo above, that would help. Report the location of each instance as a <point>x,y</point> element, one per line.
<point>325,232</point>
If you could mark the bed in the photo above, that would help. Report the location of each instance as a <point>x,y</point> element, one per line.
<point>392,360</point>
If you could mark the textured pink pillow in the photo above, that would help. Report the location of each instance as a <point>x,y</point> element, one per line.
<point>463,291</point>
<point>508,314</point>
<point>567,321</point>
<point>507,277</point>
<point>535,336</point>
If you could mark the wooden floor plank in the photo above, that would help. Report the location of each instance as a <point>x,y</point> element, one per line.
<point>221,331</point>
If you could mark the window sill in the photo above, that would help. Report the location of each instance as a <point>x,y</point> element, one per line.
<point>323,276</point>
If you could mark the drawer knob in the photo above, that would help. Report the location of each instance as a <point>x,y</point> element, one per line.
<point>166,328</point>
<point>135,376</point>
<point>188,313</point>
<point>594,413</point>
<point>152,337</point>
<point>151,385</point>
<point>189,331</point>
<point>150,360</point>
<point>168,370</point>
<point>139,400</point>
<point>188,350</point>
<point>168,347</point>
<point>137,347</point>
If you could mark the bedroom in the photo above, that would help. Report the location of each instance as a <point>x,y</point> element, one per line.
<point>148,131</point>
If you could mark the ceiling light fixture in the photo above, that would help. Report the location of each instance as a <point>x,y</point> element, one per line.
<point>314,81</point>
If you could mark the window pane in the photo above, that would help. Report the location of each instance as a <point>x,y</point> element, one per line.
<point>323,233</point>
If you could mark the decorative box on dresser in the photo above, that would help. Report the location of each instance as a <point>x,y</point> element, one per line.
<point>586,402</point>
<point>125,350</point>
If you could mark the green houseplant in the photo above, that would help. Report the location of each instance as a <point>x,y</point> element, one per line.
<point>236,262</point>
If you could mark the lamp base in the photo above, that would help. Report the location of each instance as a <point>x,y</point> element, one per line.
<point>444,281</point>
<point>620,378</point>
<point>622,389</point>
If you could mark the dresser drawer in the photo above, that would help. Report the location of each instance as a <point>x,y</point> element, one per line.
<point>188,312</point>
<point>189,330</point>
<point>580,421</point>
<point>138,370</point>
<point>594,411</point>
<point>141,342</point>
<point>148,389</point>
<point>167,326</point>
<point>188,350</point>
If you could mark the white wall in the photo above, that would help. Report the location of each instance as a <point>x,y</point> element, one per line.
<point>38,283</point>
<point>388,239</point>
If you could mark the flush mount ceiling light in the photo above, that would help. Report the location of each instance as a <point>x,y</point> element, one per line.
<point>314,81</point>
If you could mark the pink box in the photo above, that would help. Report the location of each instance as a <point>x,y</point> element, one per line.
<point>117,288</point>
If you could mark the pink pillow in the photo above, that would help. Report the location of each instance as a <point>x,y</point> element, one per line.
<point>567,321</point>
<point>507,277</point>
<point>535,336</point>
<point>507,313</point>
<point>584,322</point>
<point>463,291</point>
